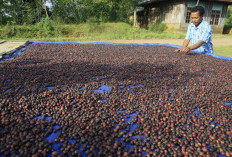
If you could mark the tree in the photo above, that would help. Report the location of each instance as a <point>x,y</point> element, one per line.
<point>22,11</point>
<point>68,11</point>
<point>77,11</point>
<point>42,4</point>
<point>126,8</point>
<point>229,16</point>
<point>3,16</point>
<point>32,12</point>
<point>12,9</point>
<point>121,9</point>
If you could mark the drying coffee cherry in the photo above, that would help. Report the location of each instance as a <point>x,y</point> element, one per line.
<point>114,100</point>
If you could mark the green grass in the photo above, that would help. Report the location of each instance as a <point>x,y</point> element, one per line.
<point>223,50</point>
<point>214,36</point>
<point>112,31</point>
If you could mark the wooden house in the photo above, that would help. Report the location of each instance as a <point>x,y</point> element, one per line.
<point>176,13</point>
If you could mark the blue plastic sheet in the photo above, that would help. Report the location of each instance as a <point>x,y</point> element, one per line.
<point>101,90</point>
<point>228,103</point>
<point>50,87</point>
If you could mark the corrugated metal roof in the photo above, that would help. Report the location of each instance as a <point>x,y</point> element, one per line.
<point>229,1</point>
<point>147,2</point>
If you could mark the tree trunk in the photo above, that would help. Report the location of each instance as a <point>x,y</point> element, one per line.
<point>44,7</point>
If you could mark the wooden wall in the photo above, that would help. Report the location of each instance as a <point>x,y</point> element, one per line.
<point>174,13</point>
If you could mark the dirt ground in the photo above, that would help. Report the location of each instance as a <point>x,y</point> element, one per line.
<point>9,46</point>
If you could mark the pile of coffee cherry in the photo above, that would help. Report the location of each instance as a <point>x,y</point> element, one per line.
<point>114,100</point>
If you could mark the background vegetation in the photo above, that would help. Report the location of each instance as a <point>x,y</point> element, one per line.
<point>83,20</point>
<point>77,19</point>
<point>82,32</point>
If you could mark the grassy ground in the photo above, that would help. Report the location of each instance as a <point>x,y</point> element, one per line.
<point>223,50</point>
<point>97,32</point>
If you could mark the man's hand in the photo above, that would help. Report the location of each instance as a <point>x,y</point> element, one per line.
<point>184,50</point>
<point>178,50</point>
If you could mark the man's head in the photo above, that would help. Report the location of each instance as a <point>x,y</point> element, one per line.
<point>197,14</point>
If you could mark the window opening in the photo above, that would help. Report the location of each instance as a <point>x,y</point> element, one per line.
<point>215,15</point>
<point>187,20</point>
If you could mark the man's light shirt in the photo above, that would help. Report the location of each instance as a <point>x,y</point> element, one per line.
<point>202,32</point>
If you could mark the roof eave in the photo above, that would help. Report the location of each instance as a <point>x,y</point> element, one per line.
<point>149,2</point>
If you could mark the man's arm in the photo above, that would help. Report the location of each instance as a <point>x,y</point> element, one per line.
<point>185,47</point>
<point>185,43</point>
<point>197,45</point>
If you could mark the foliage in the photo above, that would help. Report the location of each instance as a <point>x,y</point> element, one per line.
<point>47,27</point>
<point>65,11</point>
<point>95,26</point>
<point>158,27</point>
<point>10,29</point>
<point>68,11</point>
<point>229,16</point>
<point>22,11</point>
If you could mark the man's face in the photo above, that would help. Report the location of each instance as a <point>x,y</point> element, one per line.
<point>196,18</point>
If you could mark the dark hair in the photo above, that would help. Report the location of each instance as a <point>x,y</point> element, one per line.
<point>198,8</point>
